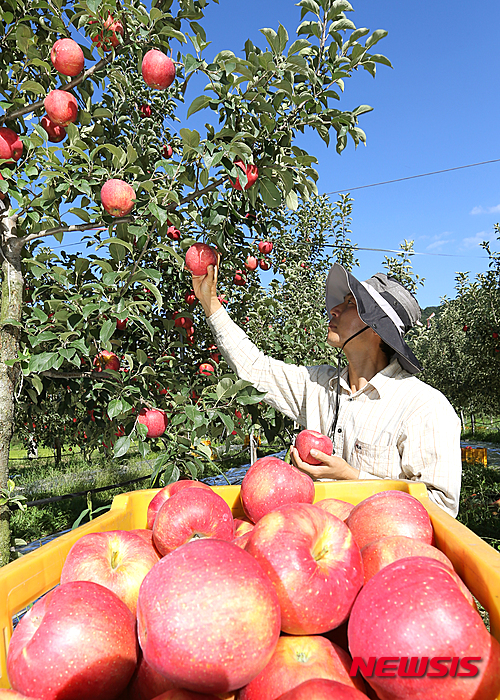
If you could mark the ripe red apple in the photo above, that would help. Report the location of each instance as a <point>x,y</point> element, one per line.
<point>198,257</point>
<point>2,196</point>
<point>173,233</point>
<point>167,492</point>
<point>389,513</point>
<point>323,689</point>
<point>241,527</point>
<point>118,560</point>
<point>6,694</point>
<point>239,278</point>
<point>206,368</point>
<point>340,509</point>
<point>67,57</point>
<point>167,151</point>
<point>270,482</point>
<point>190,297</point>
<point>55,132</point>
<point>383,552</point>
<point>155,420</point>
<point>251,171</point>
<point>180,694</point>
<point>158,70</point>
<point>146,683</point>
<point>208,617</point>
<point>264,264</point>
<point>192,514</point>
<point>314,563</point>
<point>299,659</point>
<point>182,321</point>
<point>61,107</point>
<point>145,110</point>
<point>104,38</point>
<point>414,608</point>
<point>265,247</point>
<point>11,146</point>
<point>117,197</point>
<point>77,643</point>
<point>121,325</point>
<point>251,263</point>
<point>105,361</point>
<point>308,440</point>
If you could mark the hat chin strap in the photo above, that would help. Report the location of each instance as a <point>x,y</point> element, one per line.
<point>337,398</point>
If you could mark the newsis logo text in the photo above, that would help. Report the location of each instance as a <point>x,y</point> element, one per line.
<point>415,667</point>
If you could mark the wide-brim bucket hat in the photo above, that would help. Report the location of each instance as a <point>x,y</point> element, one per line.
<point>383,304</point>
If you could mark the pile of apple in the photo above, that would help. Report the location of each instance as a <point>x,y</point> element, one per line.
<point>202,605</point>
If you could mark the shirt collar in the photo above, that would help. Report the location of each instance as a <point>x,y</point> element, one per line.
<point>378,382</point>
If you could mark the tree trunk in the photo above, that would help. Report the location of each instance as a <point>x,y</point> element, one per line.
<point>57,451</point>
<point>10,310</point>
<point>462,419</point>
<point>473,423</point>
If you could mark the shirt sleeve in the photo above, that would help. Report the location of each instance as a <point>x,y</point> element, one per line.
<point>430,452</point>
<point>288,387</point>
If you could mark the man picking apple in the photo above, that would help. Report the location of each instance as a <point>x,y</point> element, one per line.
<point>384,422</point>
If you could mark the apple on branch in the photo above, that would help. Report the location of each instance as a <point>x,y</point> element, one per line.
<point>158,70</point>
<point>265,247</point>
<point>67,57</point>
<point>251,263</point>
<point>61,107</point>
<point>109,38</point>
<point>117,197</point>
<point>252,174</point>
<point>106,360</point>
<point>55,132</point>
<point>11,146</point>
<point>155,419</point>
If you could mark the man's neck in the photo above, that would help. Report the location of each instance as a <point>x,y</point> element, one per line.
<point>362,368</point>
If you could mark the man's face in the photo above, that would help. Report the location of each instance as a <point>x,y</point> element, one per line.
<point>344,322</point>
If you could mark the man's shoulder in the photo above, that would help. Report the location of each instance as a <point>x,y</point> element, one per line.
<point>322,374</point>
<point>420,394</point>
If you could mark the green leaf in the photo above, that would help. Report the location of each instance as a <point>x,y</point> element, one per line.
<point>375,37</point>
<point>107,330</point>
<point>32,86</point>
<point>224,388</point>
<point>228,422</point>
<point>201,102</point>
<point>190,139</point>
<point>37,383</point>
<point>292,201</point>
<point>122,446</point>
<point>158,212</point>
<point>115,407</point>
<point>270,193</point>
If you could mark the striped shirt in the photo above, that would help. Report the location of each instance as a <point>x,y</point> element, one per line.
<point>395,427</point>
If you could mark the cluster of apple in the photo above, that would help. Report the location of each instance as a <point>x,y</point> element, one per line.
<point>200,255</point>
<point>273,605</point>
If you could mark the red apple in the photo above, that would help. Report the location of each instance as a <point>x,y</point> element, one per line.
<point>189,515</point>
<point>314,563</point>
<point>105,361</point>
<point>208,617</point>
<point>173,233</point>
<point>167,151</point>
<point>55,132</point>
<point>104,39</point>
<point>61,107</point>
<point>145,110</point>
<point>165,493</point>
<point>77,643</point>
<point>117,197</point>
<point>118,560</point>
<point>179,694</point>
<point>158,70</point>
<point>67,57</point>
<point>323,689</point>
<point>241,527</point>
<point>270,482</point>
<point>146,683</point>
<point>155,420</point>
<point>2,196</point>
<point>389,513</point>
<point>190,297</point>
<point>242,540</point>
<point>340,509</point>
<point>251,171</point>
<point>239,278</point>
<point>383,552</point>
<point>264,264</point>
<point>414,608</point>
<point>308,440</point>
<point>121,325</point>
<point>182,321</point>
<point>206,368</point>
<point>11,146</point>
<point>251,263</point>
<point>12,695</point>
<point>265,247</point>
<point>299,659</point>
<point>198,257</point>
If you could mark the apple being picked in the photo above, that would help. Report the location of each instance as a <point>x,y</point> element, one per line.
<point>117,197</point>
<point>414,608</point>
<point>158,70</point>
<point>308,440</point>
<point>106,360</point>
<point>297,660</point>
<point>67,57</point>
<point>55,132</point>
<point>192,514</point>
<point>61,107</point>
<point>155,419</point>
<point>198,257</point>
<point>116,559</point>
<point>270,482</point>
<point>314,563</point>
<point>167,492</point>
<point>389,513</point>
<point>208,618</point>
<point>11,146</point>
<point>78,642</point>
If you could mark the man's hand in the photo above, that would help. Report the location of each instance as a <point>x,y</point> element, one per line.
<point>332,467</point>
<point>205,289</point>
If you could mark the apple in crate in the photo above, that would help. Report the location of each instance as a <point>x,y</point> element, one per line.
<point>192,514</point>
<point>241,527</point>
<point>180,694</point>
<point>78,642</point>
<point>414,608</point>
<point>11,695</point>
<point>308,440</point>
<point>208,617</point>
<point>389,513</point>
<point>314,563</point>
<point>166,492</point>
<point>341,509</point>
<point>299,659</point>
<point>116,559</point>
<point>269,483</point>
<point>323,689</point>
<point>146,683</point>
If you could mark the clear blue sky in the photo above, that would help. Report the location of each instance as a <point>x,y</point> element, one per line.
<point>436,109</point>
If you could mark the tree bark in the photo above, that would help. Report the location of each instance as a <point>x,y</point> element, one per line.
<point>10,310</point>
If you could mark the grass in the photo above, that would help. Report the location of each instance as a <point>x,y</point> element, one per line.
<point>480,502</point>
<point>482,434</point>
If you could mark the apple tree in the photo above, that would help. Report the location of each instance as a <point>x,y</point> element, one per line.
<point>120,120</point>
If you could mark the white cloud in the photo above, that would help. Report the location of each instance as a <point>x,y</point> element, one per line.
<point>475,241</point>
<point>487,210</point>
<point>439,240</point>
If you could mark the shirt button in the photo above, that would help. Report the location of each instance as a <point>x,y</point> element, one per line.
<point>339,430</point>
<point>350,399</point>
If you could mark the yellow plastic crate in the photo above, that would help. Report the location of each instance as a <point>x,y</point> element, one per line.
<point>26,579</point>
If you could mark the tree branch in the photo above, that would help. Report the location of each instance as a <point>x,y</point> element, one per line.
<point>74,227</point>
<point>51,374</point>
<point>198,193</point>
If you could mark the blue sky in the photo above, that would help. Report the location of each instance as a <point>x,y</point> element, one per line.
<point>436,109</point>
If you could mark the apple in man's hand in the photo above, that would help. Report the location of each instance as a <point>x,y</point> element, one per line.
<point>198,257</point>
<point>308,440</point>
